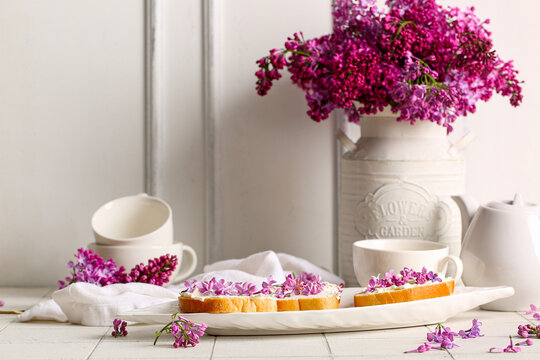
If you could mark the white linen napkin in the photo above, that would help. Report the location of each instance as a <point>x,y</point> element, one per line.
<point>87,304</point>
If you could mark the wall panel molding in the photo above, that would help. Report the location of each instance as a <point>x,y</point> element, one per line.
<point>211,50</point>
<point>152,112</point>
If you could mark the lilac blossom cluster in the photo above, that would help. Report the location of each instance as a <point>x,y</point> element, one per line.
<point>304,284</point>
<point>424,61</point>
<point>119,328</point>
<point>445,337</point>
<point>157,271</point>
<point>186,333</point>
<point>405,276</point>
<point>528,330</point>
<point>92,268</point>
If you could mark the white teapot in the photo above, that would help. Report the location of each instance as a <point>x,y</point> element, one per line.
<point>502,247</point>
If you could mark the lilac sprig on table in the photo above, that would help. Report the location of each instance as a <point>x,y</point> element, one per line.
<point>91,268</point>
<point>2,303</point>
<point>119,328</point>
<point>445,337</point>
<point>304,284</point>
<point>405,276</point>
<point>424,61</point>
<point>186,333</point>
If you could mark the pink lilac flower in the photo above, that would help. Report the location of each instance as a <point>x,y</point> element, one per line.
<point>186,333</point>
<point>442,335</point>
<point>157,271</point>
<point>268,286</point>
<point>190,285</point>
<point>528,330</point>
<point>424,61</point>
<point>119,328</point>
<point>473,332</point>
<point>2,303</point>
<point>527,342</point>
<point>422,348</point>
<point>91,268</point>
<point>246,289</point>
<point>509,348</point>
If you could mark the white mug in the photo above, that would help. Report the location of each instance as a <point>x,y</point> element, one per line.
<point>130,255</point>
<point>134,220</point>
<point>377,256</point>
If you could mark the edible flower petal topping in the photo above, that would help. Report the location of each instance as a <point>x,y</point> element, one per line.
<point>407,276</point>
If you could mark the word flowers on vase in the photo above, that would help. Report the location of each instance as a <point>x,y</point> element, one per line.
<point>93,269</point>
<point>421,60</point>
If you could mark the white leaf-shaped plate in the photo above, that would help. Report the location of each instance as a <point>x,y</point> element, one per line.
<point>346,318</point>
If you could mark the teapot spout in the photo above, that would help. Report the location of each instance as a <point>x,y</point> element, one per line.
<point>467,207</point>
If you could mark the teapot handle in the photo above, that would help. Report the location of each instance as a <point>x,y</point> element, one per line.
<point>467,207</point>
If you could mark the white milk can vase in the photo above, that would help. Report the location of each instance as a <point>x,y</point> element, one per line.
<point>397,181</point>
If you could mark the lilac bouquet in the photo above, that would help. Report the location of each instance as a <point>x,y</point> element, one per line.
<point>92,268</point>
<point>421,60</point>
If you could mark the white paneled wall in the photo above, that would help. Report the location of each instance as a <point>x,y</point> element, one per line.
<point>242,173</point>
<point>71,126</point>
<point>505,156</point>
<point>275,166</point>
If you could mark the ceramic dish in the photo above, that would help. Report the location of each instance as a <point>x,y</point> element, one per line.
<point>346,318</point>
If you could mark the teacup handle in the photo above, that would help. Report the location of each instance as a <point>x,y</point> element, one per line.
<point>192,263</point>
<point>458,264</point>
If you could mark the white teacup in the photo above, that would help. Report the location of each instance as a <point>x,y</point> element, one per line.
<point>377,256</point>
<point>134,220</point>
<point>130,255</point>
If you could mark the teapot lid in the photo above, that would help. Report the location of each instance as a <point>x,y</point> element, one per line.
<point>514,205</point>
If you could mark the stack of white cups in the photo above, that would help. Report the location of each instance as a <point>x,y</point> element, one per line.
<point>133,229</point>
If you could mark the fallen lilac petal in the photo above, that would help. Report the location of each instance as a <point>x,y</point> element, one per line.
<point>422,348</point>
<point>527,342</point>
<point>496,350</point>
<point>532,310</point>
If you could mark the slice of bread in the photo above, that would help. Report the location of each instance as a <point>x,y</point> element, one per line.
<point>308,303</point>
<point>392,295</point>
<point>227,304</point>
<point>231,304</point>
<point>305,292</point>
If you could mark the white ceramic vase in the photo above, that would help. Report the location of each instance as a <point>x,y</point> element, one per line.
<point>397,181</point>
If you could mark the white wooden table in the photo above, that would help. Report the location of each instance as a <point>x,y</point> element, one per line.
<point>51,340</point>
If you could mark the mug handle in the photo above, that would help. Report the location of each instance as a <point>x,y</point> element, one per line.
<point>458,264</point>
<point>192,264</point>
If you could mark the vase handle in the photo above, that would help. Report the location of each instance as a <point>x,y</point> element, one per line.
<point>462,143</point>
<point>345,141</point>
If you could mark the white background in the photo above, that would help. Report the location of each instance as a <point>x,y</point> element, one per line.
<point>72,115</point>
